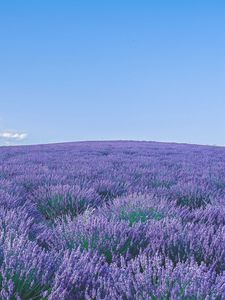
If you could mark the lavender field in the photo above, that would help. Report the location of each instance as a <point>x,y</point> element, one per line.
<point>112,220</point>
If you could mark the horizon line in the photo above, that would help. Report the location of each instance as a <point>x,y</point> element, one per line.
<point>105,140</point>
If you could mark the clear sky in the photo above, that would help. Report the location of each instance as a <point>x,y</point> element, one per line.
<point>116,69</point>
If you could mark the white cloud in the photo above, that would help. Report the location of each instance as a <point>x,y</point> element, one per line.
<point>10,135</point>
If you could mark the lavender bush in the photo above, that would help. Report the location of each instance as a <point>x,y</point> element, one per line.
<point>112,220</point>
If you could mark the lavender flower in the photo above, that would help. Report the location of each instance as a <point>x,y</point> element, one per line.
<point>112,220</point>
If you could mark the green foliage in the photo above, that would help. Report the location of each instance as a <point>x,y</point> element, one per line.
<point>161,183</point>
<point>60,207</point>
<point>193,201</point>
<point>94,242</point>
<point>27,287</point>
<point>140,215</point>
<point>105,246</point>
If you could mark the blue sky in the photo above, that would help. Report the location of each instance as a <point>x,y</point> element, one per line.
<point>105,70</point>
